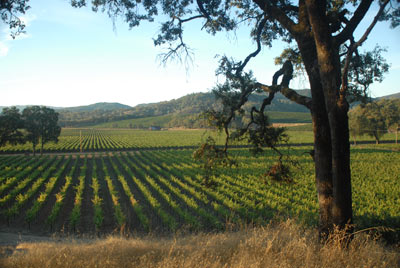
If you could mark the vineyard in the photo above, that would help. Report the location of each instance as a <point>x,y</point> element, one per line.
<point>94,140</point>
<point>91,140</point>
<point>162,191</point>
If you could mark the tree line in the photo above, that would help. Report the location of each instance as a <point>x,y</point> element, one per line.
<point>36,124</point>
<point>375,119</point>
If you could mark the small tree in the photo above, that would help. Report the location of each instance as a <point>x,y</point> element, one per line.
<point>391,114</point>
<point>368,119</point>
<point>376,127</point>
<point>10,126</point>
<point>41,125</point>
<point>357,123</point>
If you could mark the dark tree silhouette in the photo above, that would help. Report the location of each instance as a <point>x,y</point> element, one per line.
<point>41,126</point>
<point>10,126</point>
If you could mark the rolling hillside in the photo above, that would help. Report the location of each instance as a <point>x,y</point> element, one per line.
<point>185,111</point>
<point>104,106</point>
<point>181,112</point>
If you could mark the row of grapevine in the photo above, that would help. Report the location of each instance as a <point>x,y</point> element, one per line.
<point>163,190</point>
<point>91,140</point>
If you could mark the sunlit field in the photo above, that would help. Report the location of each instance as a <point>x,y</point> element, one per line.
<point>118,186</point>
<point>92,140</point>
<point>163,191</point>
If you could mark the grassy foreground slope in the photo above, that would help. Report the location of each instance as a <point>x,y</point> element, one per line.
<point>283,245</point>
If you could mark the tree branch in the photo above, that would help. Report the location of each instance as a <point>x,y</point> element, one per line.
<point>255,53</point>
<point>353,23</point>
<point>203,10</point>
<point>303,16</point>
<point>289,93</point>
<point>353,47</point>
<point>191,18</point>
<point>272,10</point>
<point>287,71</point>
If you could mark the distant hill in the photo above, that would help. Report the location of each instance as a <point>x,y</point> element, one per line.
<point>185,111</point>
<point>392,96</point>
<point>181,112</point>
<point>105,106</point>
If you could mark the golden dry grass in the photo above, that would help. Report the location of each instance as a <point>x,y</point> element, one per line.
<point>283,244</point>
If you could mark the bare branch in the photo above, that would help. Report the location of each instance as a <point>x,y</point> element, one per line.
<point>289,93</point>
<point>191,18</point>
<point>286,71</point>
<point>258,40</point>
<point>353,47</point>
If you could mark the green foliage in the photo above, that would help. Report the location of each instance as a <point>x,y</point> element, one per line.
<point>212,158</point>
<point>375,118</point>
<point>365,69</point>
<point>40,123</point>
<point>10,126</point>
<point>10,10</point>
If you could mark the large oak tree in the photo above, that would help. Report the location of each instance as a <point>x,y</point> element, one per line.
<point>322,37</point>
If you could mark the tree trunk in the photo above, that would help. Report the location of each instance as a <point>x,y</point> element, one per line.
<point>336,108</point>
<point>323,171</point>
<point>376,138</point>
<point>322,139</point>
<point>341,174</point>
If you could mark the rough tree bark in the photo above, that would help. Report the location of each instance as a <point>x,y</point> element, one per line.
<point>336,109</point>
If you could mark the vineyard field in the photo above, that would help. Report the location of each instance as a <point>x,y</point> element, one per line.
<point>94,140</point>
<point>161,191</point>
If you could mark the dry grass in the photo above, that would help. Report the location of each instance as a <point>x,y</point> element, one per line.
<point>283,244</point>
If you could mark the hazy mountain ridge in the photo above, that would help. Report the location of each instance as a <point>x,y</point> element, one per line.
<point>177,112</point>
<point>105,106</point>
<point>391,96</point>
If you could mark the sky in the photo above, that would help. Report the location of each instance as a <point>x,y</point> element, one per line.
<point>72,57</point>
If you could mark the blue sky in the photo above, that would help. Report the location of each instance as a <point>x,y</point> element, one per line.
<point>71,57</point>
